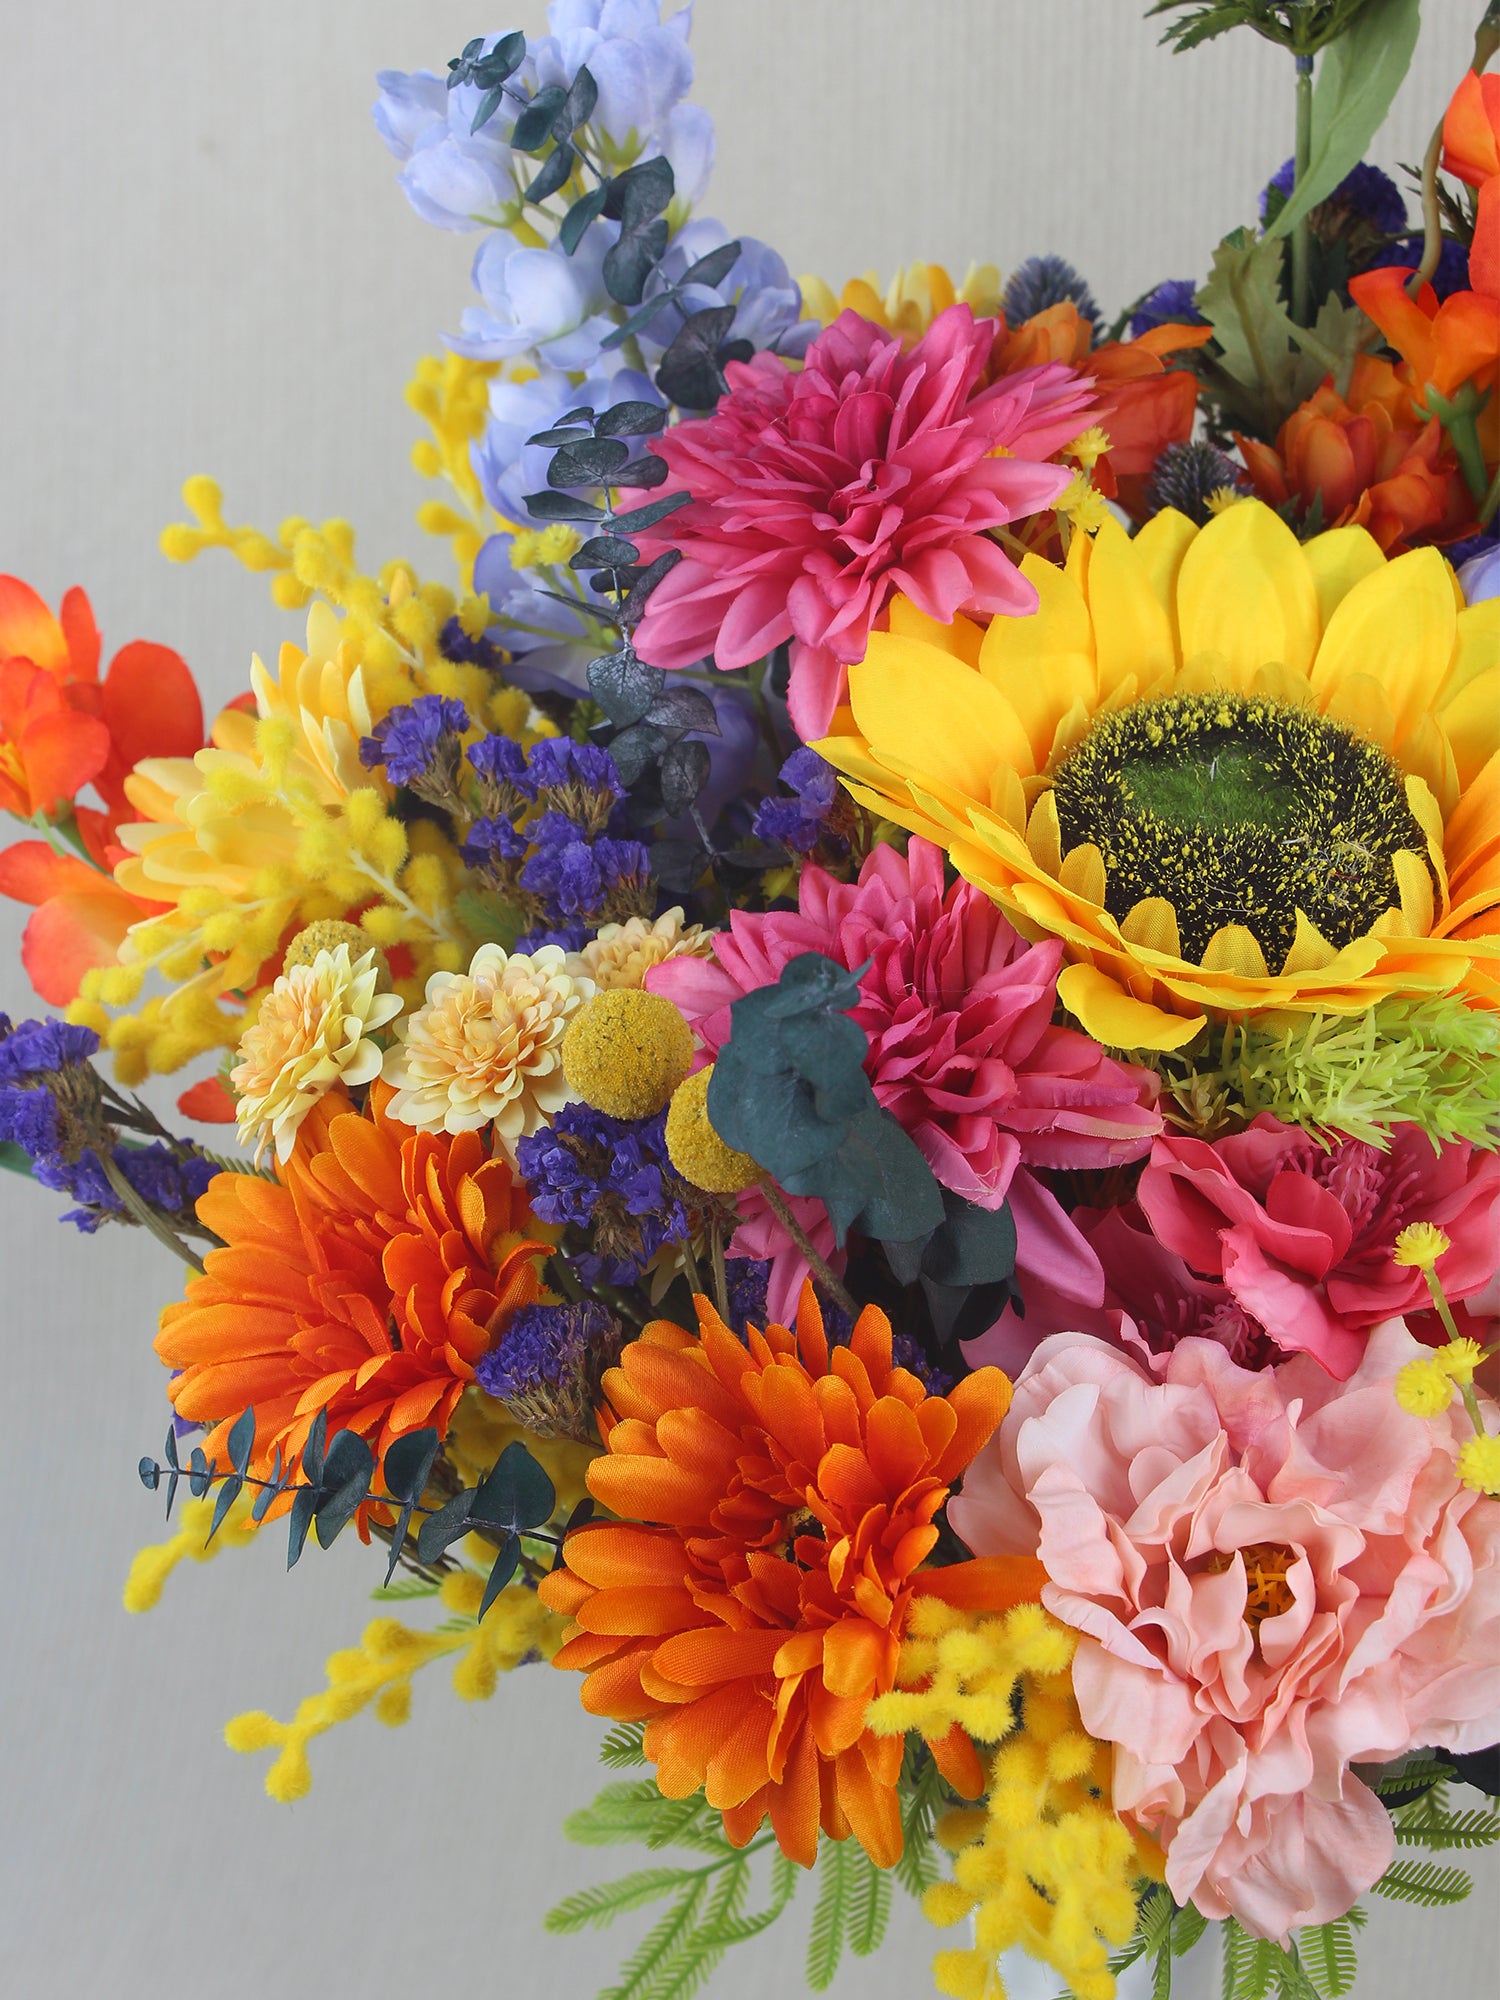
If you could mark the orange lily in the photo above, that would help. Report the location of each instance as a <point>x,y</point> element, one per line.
<point>1143,404</point>
<point>81,916</point>
<point>1471,152</point>
<point>1443,346</point>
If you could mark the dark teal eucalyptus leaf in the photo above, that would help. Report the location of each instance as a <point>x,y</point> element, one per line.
<point>515,1494</point>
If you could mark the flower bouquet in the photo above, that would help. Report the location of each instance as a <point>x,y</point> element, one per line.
<point>866,1061</point>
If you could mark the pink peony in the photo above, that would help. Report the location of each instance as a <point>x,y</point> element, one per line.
<point>1301,1237</point>
<point>819,494</point>
<point>1276,1576</point>
<point>957,1008</point>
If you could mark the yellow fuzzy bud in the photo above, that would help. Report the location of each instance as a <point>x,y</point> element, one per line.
<point>1423,1389</point>
<point>695,1148</point>
<point>1459,1359</point>
<point>1419,1245</point>
<point>1479,1464</point>
<point>627,1051</point>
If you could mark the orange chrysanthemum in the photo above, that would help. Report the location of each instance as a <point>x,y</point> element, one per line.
<point>367,1282</point>
<point>793,1493</point>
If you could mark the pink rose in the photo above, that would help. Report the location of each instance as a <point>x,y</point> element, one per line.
<point>1276,1575</point>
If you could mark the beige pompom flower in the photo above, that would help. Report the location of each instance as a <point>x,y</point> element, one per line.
<point>622,954</point>
<point>487,1044</point>
<point>313,1031</point>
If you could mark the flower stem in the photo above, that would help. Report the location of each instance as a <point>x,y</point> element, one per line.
<point>834,1286</point>
<point>1432,220</point>
<point>1302,233</point>
<point>144,1214</point>
<point>716,1258</point>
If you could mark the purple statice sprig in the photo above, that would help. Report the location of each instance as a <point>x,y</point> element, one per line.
<point>547,1366</point>
<point>72,1130</point>
<point>420,745</point>
<point>611,1178</point>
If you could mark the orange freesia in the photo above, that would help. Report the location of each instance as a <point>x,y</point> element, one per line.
<point>60,727</point>
<point>61,730</point>
<point>1368,460</point>
<point>367,1283</point>
<point>1443,345</point>
<point>778,1501</point>
<point>1471,152</point>
<point>1143,405</point>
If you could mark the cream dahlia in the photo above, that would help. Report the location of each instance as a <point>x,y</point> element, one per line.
<point>313,1030</point>
<point>487,1045</point>
<point>622,954</point>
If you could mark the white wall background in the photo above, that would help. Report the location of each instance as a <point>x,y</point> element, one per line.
<point>205,265</point>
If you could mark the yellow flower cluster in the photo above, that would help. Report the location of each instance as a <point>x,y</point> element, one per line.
<point>1042,1863</point>
<point>380,1668</point>
<point>153,1565</point>
<point>452,395</point>
<point>912,301</point>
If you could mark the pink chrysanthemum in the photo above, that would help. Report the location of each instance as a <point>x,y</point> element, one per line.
<point>958,1011</point>
<point>819,494</point>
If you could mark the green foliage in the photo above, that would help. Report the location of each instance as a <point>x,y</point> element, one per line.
<point>1358,78</point>
<point>707,1910</point>
<point>1302,26</point>
<point>1424,1883</point>
<point>1267,365</point>
<point>1434,1063</point>
<point>1429,1821</point>
<point>1410,1774</point>
<point>853,1908</point>
<point>402,1589</point>
<point>622,1748</point>
<point>789,1089</point>
<point>1163,1933</point>
<point>1328,1955</point>
<point>924,1795</point>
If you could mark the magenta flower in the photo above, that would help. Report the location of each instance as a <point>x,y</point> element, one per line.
<point>1276,1575</point>
<point>958,1009</point>
<point>1301,1237</point>
<point>819,494</point>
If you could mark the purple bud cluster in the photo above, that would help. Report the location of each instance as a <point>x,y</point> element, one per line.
<point>801,821</point>
<point>611,1177</point>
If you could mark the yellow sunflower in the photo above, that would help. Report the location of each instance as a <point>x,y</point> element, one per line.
<point>1231,772</point>
<point>912,301</point>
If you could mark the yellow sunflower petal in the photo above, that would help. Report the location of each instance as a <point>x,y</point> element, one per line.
<point>1115,1018</point>
<point>1160,547</point>
<point>962,638</point>
<point>1043,665</point>
<point>1246,593</point>
<point>1414,884</point>
<point>1337,561</point>
<point>1400,616</point>
<point>1133,633</point>
<point>1044,835</point>
<point>1310,951</point>
<point>1082,872</point>
<point>920,709</point>
<point>1151,925</point>
<point>1234,950</point>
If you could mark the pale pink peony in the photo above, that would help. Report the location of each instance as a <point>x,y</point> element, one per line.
<point>819,494</point>
<point>1276,1575</point>
<point>1301,1236</point>
<point>957,1008</point>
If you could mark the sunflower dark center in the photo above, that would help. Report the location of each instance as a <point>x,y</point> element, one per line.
<point>1239,810</point>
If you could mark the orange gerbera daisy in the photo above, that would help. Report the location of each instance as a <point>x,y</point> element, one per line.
<point>366,1282</point>
<point>794,1492</point>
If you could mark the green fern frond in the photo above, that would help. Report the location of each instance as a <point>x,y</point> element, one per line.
<point>1413,1771</point>
<point>1478,1828</point>
<point>825,1942</point>
<point>598,1907</point>
<point>623,1748</point>
<point>925,1795</point>
<point>869,1902</point>
<point>660,1947</point>
<point>1424,1883</point>
<point>1329,1956</point>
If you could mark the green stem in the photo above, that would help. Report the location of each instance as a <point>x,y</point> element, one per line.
<point>716,1258</point>
<point>1302,233</point>
<point>836,1289</point>
<point>144,1215</point>
<point>1432,217</point>
<point>1444,1310</point>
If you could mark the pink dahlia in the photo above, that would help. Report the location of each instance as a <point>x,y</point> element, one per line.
<point>819,494</point>
<point>957,1008</point>
<point>1276,1576</point>
<point>1301,1237</point>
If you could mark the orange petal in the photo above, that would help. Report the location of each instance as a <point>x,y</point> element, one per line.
<point>71,934</point>
<point>873,1809</point>
<point>208,1102</point>
<point>60,754</point>
<point>795,1803</point>
<point>714,1653</point>
<point>28,629</point>
<point>985,1583</point>
<point>979,1402</point>
<point>152,704</point>
<point>76,616</point>
<point>959,1762</point>
<point>31,871</point>
<point>854,1653</point>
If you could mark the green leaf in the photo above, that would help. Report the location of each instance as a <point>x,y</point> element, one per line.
<point>403,1589</point>
<point>598,1907</point>
<point>622,1747</point>
<point>241,1441</point>
<point>1359,76</point>
<point>1410,1773</point>
<point>516,1493</point>
<point>659,1946</point>
<point>14,1158</point>
<point>869,1902</point>
<point>1478,1828</point>
<point>825,1941</point>
<point>1329,1956</point>
<point>1425,1883</point>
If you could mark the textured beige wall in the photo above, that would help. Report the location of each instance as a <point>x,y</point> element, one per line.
<point>206,265</point>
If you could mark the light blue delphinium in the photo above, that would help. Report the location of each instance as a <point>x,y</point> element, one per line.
<point>539,301</point>
<point>1479,577</point>
<point>766,298</point>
